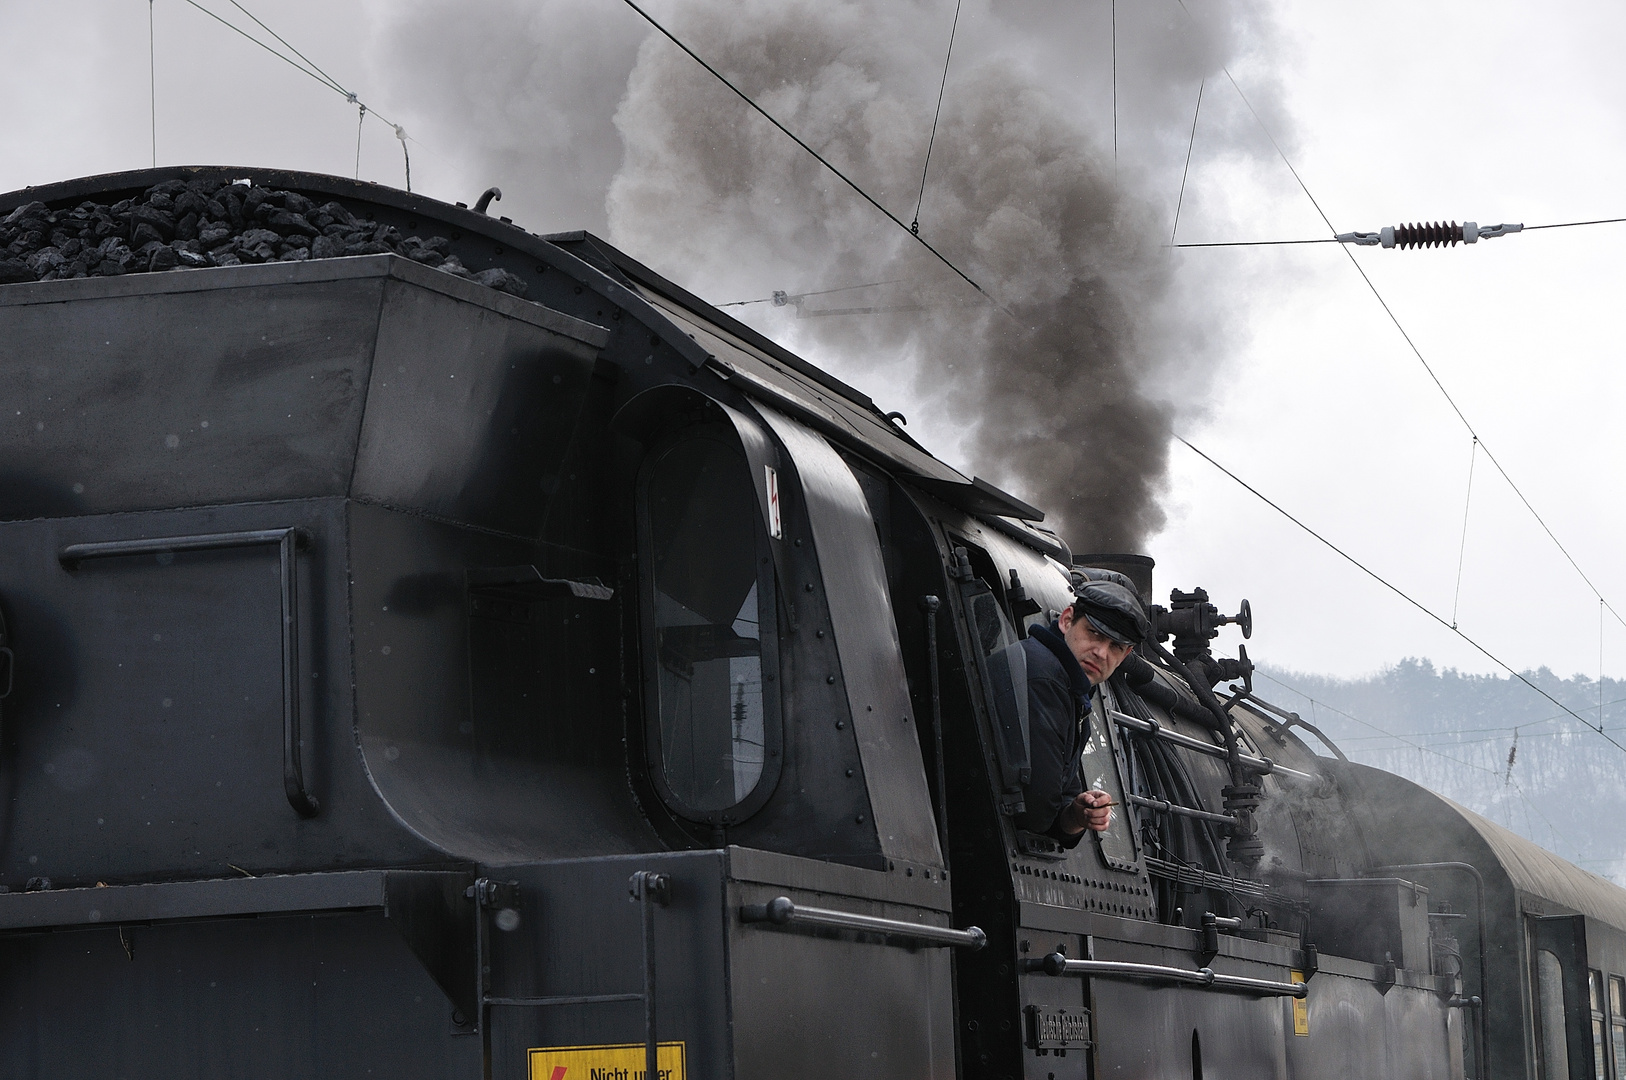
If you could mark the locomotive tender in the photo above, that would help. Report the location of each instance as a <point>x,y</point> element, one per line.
<point>406,678</point>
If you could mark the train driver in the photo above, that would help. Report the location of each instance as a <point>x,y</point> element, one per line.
<point>1065,661</point>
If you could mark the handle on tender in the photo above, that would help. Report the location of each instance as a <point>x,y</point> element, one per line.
<point>1058,964</point>
<point>783,911</point>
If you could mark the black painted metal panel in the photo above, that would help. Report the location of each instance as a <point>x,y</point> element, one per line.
<point>867,637</point>
<point>256,999</point>
<point>490,725</point>
<point>803,1011</point>
<point>158,396</point>
<point>144,738</point>
<point>580,935</point>
<point>469,411</point>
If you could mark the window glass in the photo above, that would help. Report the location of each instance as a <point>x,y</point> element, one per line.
<point>1004,666</point>
<point>1555,1059</point>
<point>711,596</point>
<point>1600,1047</point>
<point>1617,1022</point>
<point>1100,766</point>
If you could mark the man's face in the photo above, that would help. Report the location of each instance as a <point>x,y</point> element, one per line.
<point>1097,654</point>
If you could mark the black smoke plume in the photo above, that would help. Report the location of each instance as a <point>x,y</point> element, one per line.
<point>1064,382</point>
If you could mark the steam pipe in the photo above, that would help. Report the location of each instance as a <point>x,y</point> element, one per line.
<point>1163,806</point>
<point>1138,675</point>
<point>1479,896</point>
<point>1263,766</point>
<point>486,197</point>
<point>1205,695</point>
<point>1241,797</point>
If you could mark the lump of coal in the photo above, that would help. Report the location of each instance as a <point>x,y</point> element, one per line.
<point>498,278</point>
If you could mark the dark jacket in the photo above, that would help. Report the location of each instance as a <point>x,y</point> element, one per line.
<point>1058,726</point>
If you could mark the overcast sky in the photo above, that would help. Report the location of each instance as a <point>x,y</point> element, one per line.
<point>1390,112</point>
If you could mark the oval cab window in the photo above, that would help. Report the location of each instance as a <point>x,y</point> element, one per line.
<point>709,596</point>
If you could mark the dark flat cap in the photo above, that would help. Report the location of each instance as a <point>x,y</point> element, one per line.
<point>1112,609</point>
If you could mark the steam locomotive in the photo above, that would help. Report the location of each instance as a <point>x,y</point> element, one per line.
<point>516,667</point>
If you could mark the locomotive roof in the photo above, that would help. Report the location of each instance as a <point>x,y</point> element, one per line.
<point>1435,828</point>
<point>1538,872</point>
<point>704,336</point>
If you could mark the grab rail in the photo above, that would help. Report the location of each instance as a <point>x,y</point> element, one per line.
<point>783,911</point>
<point>1262,765</point>
<point>1163,806</point>
<point>288,540</point>
<point>1058,964</point>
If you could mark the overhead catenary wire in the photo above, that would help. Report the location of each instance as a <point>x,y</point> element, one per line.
<point>914,226</point>
<point>311,70</point>
<point>1427,750</point>
<point>1502,733</point>
<point>1365,723</point>
<point>1375,576</point>
<point>1336,240</point>
<point>817,292</point>
<point>290,61</point>
<point>330,80</point>
<point>1491,457</point>
<point>1508,727</point>
<point>820,158</point>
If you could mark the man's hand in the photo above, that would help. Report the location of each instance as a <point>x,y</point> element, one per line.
<point>1090,810</point>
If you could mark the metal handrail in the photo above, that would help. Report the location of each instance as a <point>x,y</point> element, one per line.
<point>1058,964</point>
<point>1163,806</point>
<point>1262,765</point>
<point>288,541</point>
<point>783,911</point>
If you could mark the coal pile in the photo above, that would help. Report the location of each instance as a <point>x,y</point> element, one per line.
<point>179,225</point>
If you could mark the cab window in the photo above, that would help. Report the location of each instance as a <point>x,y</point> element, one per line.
<point>709,608</point>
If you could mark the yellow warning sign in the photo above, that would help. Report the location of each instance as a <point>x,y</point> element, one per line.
<point>1301,1008</point>
<point>624,1062</point>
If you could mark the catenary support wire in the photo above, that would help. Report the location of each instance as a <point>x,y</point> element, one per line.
<point>400,133</point>
<point>361,119</point>
<point>914,226</point>
<point>839,175</point>
<point>152,79</point>
<point>309,69</point>
<point>1498,661</point>
<point>1179,202</point>
<point>1462,548</point>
